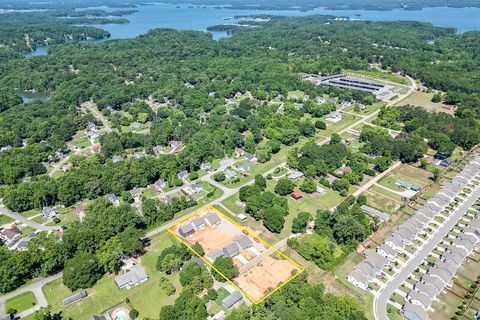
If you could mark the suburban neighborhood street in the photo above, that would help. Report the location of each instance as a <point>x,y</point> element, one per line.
<point>25,221</point>
<point>383,295</point>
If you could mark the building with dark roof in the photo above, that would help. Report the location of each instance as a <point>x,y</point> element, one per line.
<point>186,230</point>
<point>75,297</point>
<point>232,299</point>
<point>212,219</point>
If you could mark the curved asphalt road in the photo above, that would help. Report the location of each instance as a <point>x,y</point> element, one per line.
<point>381,298</point>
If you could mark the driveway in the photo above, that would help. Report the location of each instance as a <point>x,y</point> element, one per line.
<point>381,298</point>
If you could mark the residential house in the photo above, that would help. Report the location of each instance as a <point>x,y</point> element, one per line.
<point>343,170</point>
<point>182,175</point>
<point>113,199</point>
<point>134,126</point>
<point>116,159</point>
<point>158,149</point>
<point>419,298</point>
<point>408,185</point>
<point>159,185</point>
<point>295,175</point>
<point>320,100</point>
<point>250,157</point>
<point>229,174</point>
<point>175,145</point>
<point>139,155</point>
<point>186,230</point>
<point>374,213</point>
<point>320,190</point>
<point>244,168</point>
<point>243,242</point>
<point>434,281</point>
<point>234,298</point>
<point>193,188</point>
<point>231,250</point>
<point>442,275</point>
<point>386,251</point>
<point>430,291</point>
<point>446,162</point>
<point>74,298</point>
<point>454,255</point>
<point>96,149</point>
<point>136,194</point>
<point>395,242</point>
<point>49,213</point>
<point>10,235</point>
<point>207,166</point>
<point>358,278</point>
<point>132,277</point>
<point>414,312</point>
<point>198,223</point>
<point>212,219</point>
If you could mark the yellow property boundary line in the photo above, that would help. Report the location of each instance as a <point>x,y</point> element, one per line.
<point>170,230</point>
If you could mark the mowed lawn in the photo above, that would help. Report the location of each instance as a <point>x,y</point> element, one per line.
<point>423,99</point>
<point>21,302</point>
<point>147,297</point>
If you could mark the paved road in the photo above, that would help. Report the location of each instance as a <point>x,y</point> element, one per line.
<point>382,297</point>
<point>36,288</point>
<point>24,220</point>
<point>64,160</point>
<point>375,179</point>
<point>90,106</point>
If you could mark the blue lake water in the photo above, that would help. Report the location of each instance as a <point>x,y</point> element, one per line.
<point>188,17</point>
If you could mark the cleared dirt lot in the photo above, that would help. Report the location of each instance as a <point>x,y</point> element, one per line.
<point>262,267</point>
<point>264,276</point>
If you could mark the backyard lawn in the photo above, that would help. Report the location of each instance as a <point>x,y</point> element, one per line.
<point>147,297</point>
<point>21,302</point>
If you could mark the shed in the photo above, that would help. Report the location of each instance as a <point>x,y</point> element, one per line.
<point>297,195</point>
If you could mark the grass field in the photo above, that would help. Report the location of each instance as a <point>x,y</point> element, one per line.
<point>388,194</point>
<point>424,100</point>
<point>299,94</point>
<point>380,202</point>
<point>389,182</point>
<point>368,109</point>
<point>21,302</point>
<point>381,75</point>
<point>4,219</point>
<point>412,174</point>
<point>147,297</point>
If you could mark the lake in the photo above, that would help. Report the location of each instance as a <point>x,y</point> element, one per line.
<point>188,17</point>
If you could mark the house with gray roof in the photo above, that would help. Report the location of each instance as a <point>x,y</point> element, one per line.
<point>186,230</point>
<point>358,278</point>
<point>158,149</point>
<point>243,242</point>
<point>472,231</point>
<point>132,277</point>
<point>366,268</point>
<point>395,242</point>
<point>450,268</point>
<point>443,275</point>
<point>75,297</point>
<point>295,175</point>
<point>386,251</point>
<point>465,243</point>
<point>135,126</point>
<point>113,199</point>
<point>376,261</point>
<point>430,291</point>
<point>116,159</point>
<point>139,155</point>
<point>414,312</point>
<point>198,222</point>
<point>374,213</point>
<point>212,219</point>
<point>49,213</point>
<point>215,254</point>
<point>434,281</point>
<point>234,298</point>
<point>419,298</point>
<point>231,250</point>
<point>250,157</point>
<point>244,168</point>
<point>454,255</point>
<point>229,174</point>
<point>182,175</point>
<point>207,166</point>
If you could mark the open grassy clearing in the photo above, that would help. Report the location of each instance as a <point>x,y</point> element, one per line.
<point>423,99</point>
<point>147,297</point>
<point>380,202</point>
<point>21,302</point>
<point>381,75</point>
<point>412,174</point>
<point>368,109</point>
<point>389,182</point>
<point>4,219</point>
<point>388,194</point>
